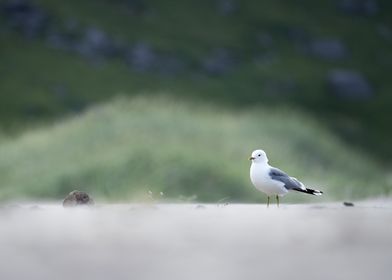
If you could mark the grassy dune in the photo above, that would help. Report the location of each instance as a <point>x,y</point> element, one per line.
<point>121,150</point>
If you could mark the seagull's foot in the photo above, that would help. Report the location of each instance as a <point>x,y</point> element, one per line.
<point>277,201</point>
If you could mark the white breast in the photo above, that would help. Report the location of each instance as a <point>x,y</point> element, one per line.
<point>259,175</point>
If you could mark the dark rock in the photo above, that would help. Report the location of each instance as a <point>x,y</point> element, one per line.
<point>96,39</point>
<point>227,7</point>
<point>95,44</point>
<point>35,24</point>
<point>25,17</point>
<point>330,49</point>
<point>77,198</point>
<point>218,62</point>
<point>349,84</point>
<point>348,204</point>
<point>359,7</point>
<point>141,57</point>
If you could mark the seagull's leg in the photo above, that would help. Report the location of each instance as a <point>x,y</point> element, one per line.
<point>267,201</point>
<point>277,200</point>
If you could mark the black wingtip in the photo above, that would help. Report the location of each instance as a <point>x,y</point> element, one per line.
<point>310,191</point>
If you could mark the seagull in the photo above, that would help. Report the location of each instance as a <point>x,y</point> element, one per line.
<point>273,181</point>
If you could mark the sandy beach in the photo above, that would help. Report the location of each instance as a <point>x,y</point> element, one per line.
<point>196,241</point>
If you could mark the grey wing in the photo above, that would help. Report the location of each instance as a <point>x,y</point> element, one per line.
<point>289,182</point>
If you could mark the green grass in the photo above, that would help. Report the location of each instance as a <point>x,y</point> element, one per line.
<point>120,150</point>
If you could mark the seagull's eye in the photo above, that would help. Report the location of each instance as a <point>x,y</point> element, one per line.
<point>259,155</point>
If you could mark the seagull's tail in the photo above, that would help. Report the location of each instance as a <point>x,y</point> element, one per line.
<point>309,191</point>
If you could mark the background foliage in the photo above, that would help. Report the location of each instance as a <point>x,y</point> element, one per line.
<point>99,94</point>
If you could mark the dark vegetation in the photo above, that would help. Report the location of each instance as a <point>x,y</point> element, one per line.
<point>330,58</point>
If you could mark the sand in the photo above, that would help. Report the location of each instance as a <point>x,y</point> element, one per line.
<point>191,241</point>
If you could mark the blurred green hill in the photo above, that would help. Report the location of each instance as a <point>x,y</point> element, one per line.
<point>127,148</point>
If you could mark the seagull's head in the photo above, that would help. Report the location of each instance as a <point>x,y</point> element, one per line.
<point>259,156</point>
